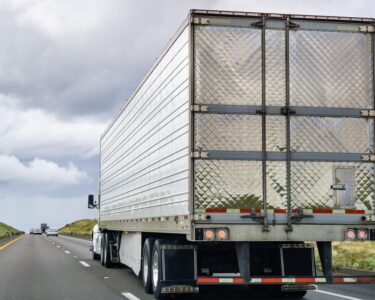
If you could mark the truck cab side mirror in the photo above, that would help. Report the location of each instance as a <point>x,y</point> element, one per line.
<point>91,203</point>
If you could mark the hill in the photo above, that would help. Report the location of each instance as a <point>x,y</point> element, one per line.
<point>7,231</point>
<point>80,227</point>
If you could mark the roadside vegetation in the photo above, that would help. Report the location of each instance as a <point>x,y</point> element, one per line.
<point>7,231</point>
<point>80,227</point>
<point>356,255</point>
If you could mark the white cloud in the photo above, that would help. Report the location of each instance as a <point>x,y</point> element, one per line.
<point>29,133</point>
<point>38,172</point>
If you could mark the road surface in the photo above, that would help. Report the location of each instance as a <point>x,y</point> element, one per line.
<point>37,267</point>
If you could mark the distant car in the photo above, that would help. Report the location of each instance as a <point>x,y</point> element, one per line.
<point>32,231</point>
<point>52,232</point>
<point>37,231</point>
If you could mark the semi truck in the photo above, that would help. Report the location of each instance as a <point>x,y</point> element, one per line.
<point>43,227</point>
<point>248,147</point>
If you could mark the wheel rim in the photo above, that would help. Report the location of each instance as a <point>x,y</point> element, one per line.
<point>155,268</point>
<point>145,267</point>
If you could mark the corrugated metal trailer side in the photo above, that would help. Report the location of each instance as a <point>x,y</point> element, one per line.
<point>145,153</point>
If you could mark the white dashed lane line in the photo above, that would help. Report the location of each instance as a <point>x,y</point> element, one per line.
<point>83,263</point>
<point>67,252</point>
<point>130,296</point>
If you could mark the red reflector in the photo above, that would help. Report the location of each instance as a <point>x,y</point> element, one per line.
<point>305,280</point>
<point>238,280</point>
<point>338,280</point>
<point>354,211</point>
<point>272,280</point>
<point>216,210</point>
<point>207,280</point>
<point>366,279</point>
<point>322,211</point>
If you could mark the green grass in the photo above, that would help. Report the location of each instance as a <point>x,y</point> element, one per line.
<point>80,227</point>
<point>356,255</point>
<point>7,231</point>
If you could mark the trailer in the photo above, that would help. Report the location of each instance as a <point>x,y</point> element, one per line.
<point>252,134</point>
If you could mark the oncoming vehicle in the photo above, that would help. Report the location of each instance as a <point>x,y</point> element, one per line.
<point>53,232</point>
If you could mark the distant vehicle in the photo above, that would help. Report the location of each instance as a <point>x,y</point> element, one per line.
<point>37,231</point>
<point>52,232</point>
<point>32,231</point>
<point>43,227</point>
<point>96,242</point>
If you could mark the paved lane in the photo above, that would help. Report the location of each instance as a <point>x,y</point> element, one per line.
<point>32,268</point>
<point>37,267</point>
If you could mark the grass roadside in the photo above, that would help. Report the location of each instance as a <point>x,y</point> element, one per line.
<point>355,255</point>
<point>79,228</point>
<point>7,231</point>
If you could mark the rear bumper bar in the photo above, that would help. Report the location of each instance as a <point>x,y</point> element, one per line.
<point>282,280</point>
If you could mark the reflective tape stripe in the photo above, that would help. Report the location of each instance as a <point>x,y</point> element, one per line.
<point>281,280</point>
<point>284,211</point>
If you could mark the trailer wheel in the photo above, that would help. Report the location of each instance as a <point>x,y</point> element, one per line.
<point>156,270</point>
<point>146,264</point>
<point>106,252</point>
<point>102,245</point>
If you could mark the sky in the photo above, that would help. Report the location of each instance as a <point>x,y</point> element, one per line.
<point>66,69</point>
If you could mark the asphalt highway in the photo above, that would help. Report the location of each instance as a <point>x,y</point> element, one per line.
<point>40,267</point>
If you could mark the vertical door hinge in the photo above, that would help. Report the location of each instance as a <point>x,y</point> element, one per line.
<point>368,113</point>
<point>199,108</point>
<point>291,25</point>
<point>201,21</point>
<point>199,154</point>
<point>368,157</point>
<point>366,28</point>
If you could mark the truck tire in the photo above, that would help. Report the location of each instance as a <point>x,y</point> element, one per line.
<point>95,256</point>
<point>146,264</point>
<point>101,250</point>
<point>106,252</point>
<point>156,270</point>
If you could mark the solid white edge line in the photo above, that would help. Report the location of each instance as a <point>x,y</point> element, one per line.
<point>130,296</point>
<point>337,295</point>
<point>83,263</point>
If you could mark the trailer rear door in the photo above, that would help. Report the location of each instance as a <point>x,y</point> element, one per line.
<point>283,115</point>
